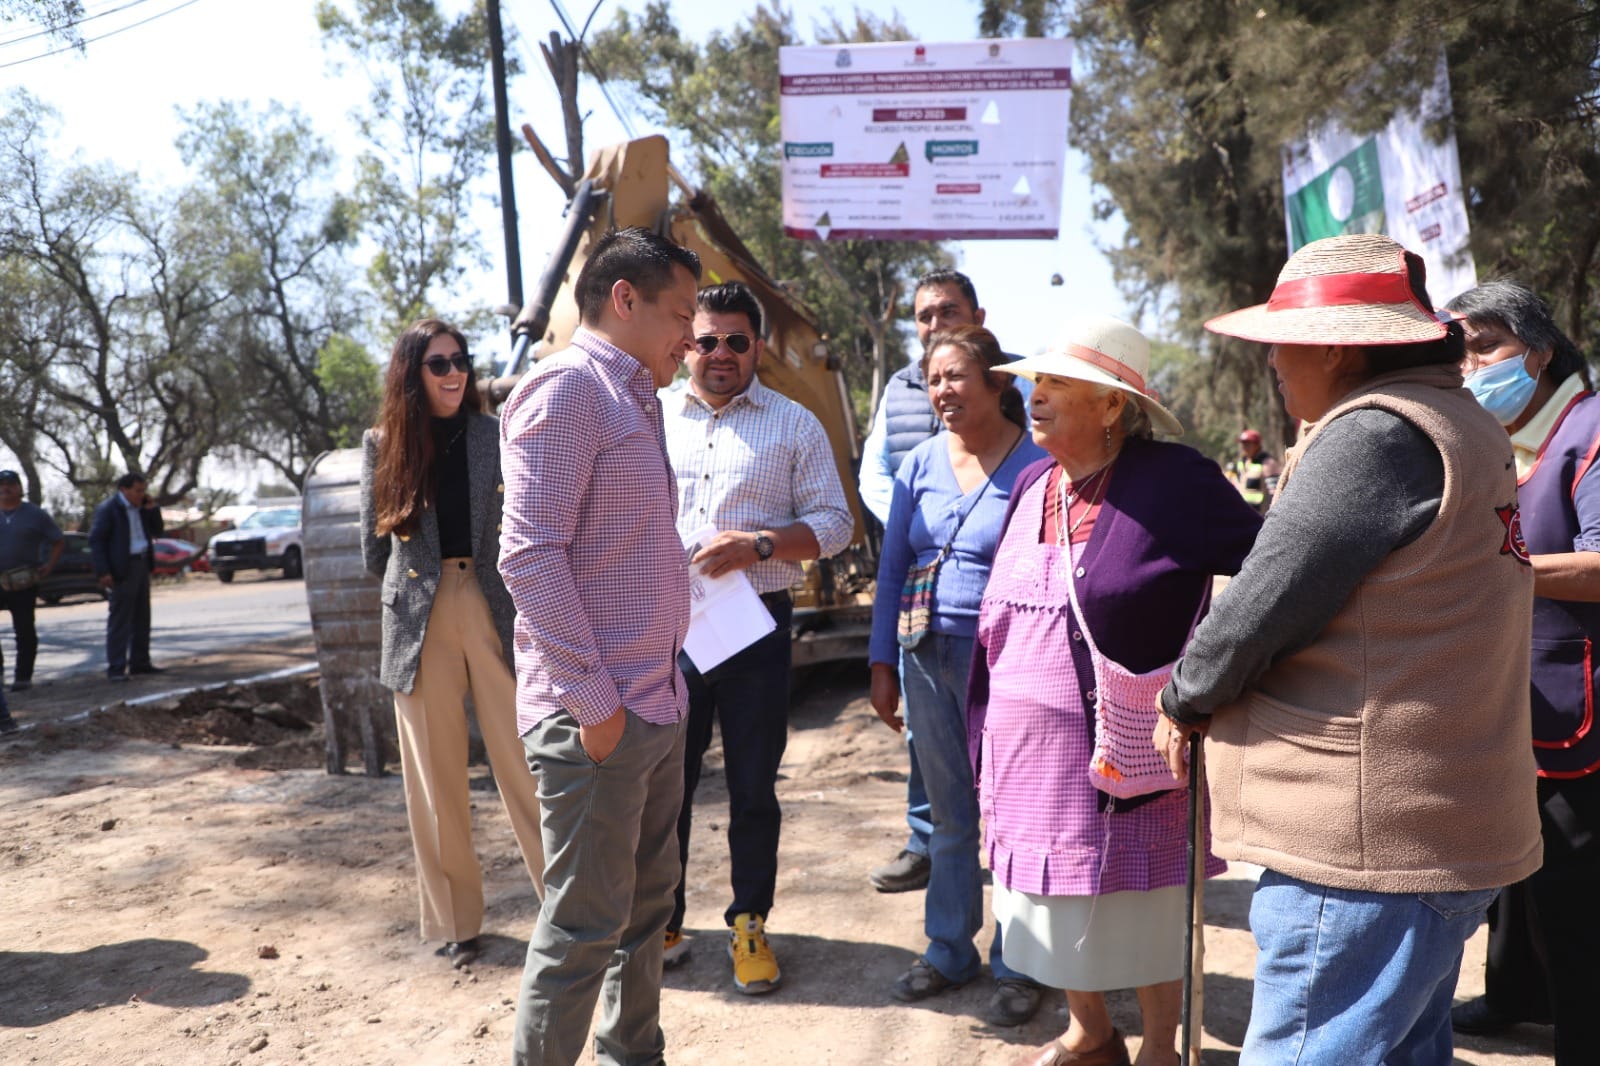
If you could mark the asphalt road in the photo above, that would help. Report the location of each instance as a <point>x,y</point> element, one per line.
<point>194,616</point>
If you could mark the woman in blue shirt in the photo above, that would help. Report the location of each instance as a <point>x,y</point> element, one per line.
<point>950,497</point>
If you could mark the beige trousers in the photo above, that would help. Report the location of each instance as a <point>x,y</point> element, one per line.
<point>461,650</point>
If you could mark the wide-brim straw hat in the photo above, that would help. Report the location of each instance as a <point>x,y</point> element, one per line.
<point>1353,289</point>
<point>1105,351</point>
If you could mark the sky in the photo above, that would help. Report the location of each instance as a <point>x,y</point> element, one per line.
<point>120,102</point>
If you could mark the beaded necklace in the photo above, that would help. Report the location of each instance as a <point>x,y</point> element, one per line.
<point>1092,491</point>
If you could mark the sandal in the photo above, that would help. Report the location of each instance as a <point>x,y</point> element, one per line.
<point>1113,1052</point>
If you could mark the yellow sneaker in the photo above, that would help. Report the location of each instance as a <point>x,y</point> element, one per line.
<point>676,951</point>
<point>755,968</point>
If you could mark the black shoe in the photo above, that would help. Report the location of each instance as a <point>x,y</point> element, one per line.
<point>147,669</point>
<point>21,686</point>
<point>1014,1001</point>
<point>116,677</point>
<point>920,982</point>
<point>461,952</point>
<point>8,724</point>
<point>907,872</point>
<point>1476,1017</point>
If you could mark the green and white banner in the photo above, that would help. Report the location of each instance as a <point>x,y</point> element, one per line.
<point>1398,181</point>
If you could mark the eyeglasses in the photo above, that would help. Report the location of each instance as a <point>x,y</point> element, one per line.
<point>738,343</point>
<point>442,365</point>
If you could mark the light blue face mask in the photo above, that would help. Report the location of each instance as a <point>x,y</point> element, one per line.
<point>1503,388</point>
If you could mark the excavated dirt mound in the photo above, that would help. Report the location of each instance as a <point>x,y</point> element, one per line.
<point>280,721</point>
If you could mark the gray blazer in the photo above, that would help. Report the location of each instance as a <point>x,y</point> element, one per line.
<point>409,562</point>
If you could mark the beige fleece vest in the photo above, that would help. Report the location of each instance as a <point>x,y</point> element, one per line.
<point>1394,754</point>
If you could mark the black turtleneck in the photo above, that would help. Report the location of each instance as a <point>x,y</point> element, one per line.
<point>451,496</point>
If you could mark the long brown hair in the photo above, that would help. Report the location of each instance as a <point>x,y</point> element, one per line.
<point>403,477</point>
<point>979,345</point>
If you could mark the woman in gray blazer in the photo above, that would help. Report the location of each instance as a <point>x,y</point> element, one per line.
<point>430,519</point>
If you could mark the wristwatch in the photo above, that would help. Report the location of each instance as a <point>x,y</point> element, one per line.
<point>764,546</point>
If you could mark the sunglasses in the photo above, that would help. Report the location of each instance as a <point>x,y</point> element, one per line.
<point>441,366</point>
<point>738,343</point>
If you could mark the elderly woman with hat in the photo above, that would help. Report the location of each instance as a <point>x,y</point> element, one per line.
<point>1369,744</point>
<point>1105,562</point>
<point>1543,939</point>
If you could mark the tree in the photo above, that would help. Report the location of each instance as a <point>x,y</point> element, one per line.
<point>58,18</point>
<point>723,97</point>
<point>266,179</point>
<point>1187,104</point>
<point>428,123</point>
<point>112,326</point>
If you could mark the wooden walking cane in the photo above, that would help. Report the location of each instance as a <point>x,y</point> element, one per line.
<point>1194,937</point>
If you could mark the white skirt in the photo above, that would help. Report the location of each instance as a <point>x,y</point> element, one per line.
<point>1134,938</point>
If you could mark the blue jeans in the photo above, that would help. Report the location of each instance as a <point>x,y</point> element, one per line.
<point>935,682</point>
<point>919,818</point>
<point>1355,978</point>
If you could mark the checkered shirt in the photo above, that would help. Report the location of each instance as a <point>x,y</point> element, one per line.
<point>588,549</point>
<point>760,462</point>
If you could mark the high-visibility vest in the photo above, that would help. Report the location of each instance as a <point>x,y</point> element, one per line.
<point>1251,477</point>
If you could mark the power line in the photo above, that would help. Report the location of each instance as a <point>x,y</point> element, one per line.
<point>47,31</point>
<point>101,37</point>
<point>599,71</point>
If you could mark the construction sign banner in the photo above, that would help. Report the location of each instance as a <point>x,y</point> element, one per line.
<point>909,142</point>
<point>1398,181</point>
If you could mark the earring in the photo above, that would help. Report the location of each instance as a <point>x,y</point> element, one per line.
<point>1108,438</point>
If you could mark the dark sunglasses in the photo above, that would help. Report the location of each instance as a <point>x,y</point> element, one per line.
<point>440,366</point>
<point>738,343</point>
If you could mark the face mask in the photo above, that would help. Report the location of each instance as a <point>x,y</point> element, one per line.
<point>1503,388</point>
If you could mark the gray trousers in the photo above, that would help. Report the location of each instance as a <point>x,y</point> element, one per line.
<point>128,623</point>
<point>611,863</point>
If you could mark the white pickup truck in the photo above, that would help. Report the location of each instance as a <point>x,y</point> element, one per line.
<point>267,539</point>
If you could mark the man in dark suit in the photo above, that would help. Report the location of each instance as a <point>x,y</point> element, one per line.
<point>121,547</point>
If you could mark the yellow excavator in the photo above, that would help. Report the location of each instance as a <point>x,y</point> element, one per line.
<point>629,184</point>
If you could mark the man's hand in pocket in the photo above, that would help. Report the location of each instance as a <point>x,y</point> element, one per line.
<point>599,741</point>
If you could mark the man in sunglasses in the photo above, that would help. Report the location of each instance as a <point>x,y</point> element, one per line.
<point>25,530</point>
<point>756,465</point>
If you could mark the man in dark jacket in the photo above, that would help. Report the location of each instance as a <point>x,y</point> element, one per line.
<point>121,546</point>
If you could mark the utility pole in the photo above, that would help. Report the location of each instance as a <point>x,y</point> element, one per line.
<point>502,145</point>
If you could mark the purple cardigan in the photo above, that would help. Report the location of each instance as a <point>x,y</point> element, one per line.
<point>1169,522</point>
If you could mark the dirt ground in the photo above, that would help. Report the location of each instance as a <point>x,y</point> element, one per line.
<point>184,885</point>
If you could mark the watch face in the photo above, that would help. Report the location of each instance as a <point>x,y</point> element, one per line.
<point>764,547</point>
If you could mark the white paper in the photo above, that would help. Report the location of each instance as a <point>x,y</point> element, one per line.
<point>725,613</point>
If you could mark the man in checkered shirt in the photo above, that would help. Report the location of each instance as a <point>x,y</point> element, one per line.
<point>592,560</point>
<point>757,466</point>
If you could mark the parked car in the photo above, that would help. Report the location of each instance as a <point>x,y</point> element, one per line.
<point>73,575</point>
<point>174,556</point>
<point>268,539</point>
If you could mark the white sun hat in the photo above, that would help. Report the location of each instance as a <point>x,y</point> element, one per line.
<point>1354,289</point>
<point>1105,351</point>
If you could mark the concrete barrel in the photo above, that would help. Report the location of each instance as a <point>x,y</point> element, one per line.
<point>346,615</point>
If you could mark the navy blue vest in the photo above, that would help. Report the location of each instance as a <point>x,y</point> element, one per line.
<point>1566,739</point>
<point>908,415</point>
